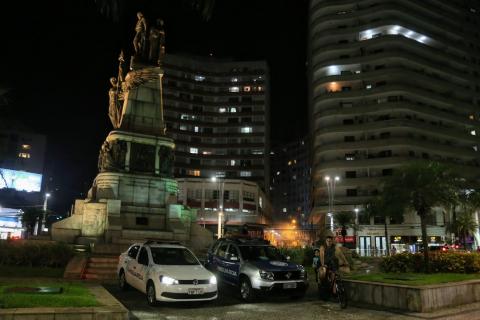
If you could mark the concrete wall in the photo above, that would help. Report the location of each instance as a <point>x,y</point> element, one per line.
<point>413,298</point>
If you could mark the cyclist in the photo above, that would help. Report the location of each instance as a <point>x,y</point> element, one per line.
<point>331,258</point>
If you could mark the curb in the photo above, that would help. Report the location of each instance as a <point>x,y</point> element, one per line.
<point>111,309</point>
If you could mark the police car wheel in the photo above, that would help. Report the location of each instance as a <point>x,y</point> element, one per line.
<point>122,281</point>
<point>246,290</point>
<point>151,297</point>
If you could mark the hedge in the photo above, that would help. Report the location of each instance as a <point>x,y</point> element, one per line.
<point>53,255</point>
<point>454,262</point>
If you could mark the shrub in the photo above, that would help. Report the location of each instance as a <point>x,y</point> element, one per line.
<point>454,262</point>
<point>35,255</point>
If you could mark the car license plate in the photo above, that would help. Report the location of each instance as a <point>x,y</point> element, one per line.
<point>290,285</point>
<point>195,291</point>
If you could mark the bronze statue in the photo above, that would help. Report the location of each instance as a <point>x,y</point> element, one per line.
<point>114,107</point>
<point>166,161</point>
<point>140,34</point>
<point>112,156</point>
<point>157,43</point>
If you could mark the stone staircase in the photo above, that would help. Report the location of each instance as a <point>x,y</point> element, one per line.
<point>101,268</point>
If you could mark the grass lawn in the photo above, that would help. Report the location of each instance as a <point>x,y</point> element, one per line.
<point>74,294</point>
<point>415,279</point>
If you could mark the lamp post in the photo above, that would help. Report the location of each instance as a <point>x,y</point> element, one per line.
<point>220,205</point>
<point>44,218</point>
<point>356,228</point>
<point>331,183</point>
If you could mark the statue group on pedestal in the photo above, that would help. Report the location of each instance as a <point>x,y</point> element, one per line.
<point>112,156</point>
<point>149,44</point>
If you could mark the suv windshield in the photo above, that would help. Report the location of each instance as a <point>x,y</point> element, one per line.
<point>173,256</point>
<point>260,253</point>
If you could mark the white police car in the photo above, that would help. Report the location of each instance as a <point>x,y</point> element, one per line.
<point>165,271</point>
<point>255,266</point>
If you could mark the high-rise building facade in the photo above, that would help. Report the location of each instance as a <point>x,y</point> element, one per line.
<point>217,113</point>
<point>290,183</point>
<point>390,82</point>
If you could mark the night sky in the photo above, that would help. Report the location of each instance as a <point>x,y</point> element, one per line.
<point>57,56</point>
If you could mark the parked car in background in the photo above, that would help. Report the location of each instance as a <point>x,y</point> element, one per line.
<point>165,271</point>
<point>255,266</point>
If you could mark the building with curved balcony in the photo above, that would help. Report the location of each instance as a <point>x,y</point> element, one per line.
<point>390,82</point>
<point>217,113</point>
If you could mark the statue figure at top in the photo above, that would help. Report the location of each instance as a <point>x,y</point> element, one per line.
<point>115,94</point>
<point>139,41</point>
<point>157,43</point>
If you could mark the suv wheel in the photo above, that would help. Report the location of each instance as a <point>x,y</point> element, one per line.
<point>246,290</point>
<point>122,281</point>
<point>151,296</point>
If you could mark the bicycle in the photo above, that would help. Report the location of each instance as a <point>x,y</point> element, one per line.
<point>336,287</point>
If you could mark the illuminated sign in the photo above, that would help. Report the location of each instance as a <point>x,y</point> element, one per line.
<point>20,180</point>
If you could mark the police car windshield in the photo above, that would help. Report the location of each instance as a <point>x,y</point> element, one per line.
<point>173,256</point>
<point>260,253</point>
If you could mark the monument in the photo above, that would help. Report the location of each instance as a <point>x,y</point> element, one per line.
<point>134,195</point>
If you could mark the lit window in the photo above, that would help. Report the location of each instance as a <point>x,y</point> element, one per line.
<point>471,117</point>
<point>368,86</point>
<point>284,210</point>
<point>473,133</point>
<point>233,109</point>
<point>247,88</point>
<point>255,151</point>
<point>232,162</point>
<point>194,150</point>
<point>245,173</point>
<point>207,153</point>
<point>222,110</point>
<point>246,130</point>
<point>260,202</point>
<point>183,127</point>
<point>234,89</point>
<point>234,79</point>
<point>220,174</point>
<point>195,173</point>
<point>196,129</point>
<point>24,155</point>
<point>475,148</point>
<point>260,88</point>
<point>278,173</point>
<point>289,163</point>
<point>26,146</point>
<point>199,78</point>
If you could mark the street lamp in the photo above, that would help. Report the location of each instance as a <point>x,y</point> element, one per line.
<point>331,183</point>
<point>356,228</point>
<point>44,218</point>
<point>220,204</point>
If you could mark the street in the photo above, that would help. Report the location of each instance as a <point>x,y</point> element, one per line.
<point>229,306</point>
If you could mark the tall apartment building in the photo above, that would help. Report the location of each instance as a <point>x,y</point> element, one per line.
<point>22,154</point>
<point>391,82</point>
<point>217,113</point>
<point>290,184</point>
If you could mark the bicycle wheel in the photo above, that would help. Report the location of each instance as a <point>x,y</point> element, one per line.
<point>341,294</point>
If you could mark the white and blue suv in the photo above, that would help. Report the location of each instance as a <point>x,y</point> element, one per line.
<point>255,266</point>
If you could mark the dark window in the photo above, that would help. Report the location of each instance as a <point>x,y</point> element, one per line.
<point>384,135</point>
<point>197,108</point>
<point>351,192</point>
<point>207,130</point>
<point>387,172</point>
<point>222,250</point>
<point>197,98</point>
<point>143,256</point>
<point>364,219</point>
<point>141,221</point>
<point>379,220</point>
<point>346,88</point>
<point>349,138</point>
<point>347,121</point>
<point>132,253</point>
<point>350,174</point>
<point>232,120</point>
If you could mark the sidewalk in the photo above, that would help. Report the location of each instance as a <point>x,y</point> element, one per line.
<point>110,309</point>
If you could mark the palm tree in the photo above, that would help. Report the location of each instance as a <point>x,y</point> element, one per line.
<point>346,220</point>
<point>384,205</point>
<point>421,186</point>
<point>465,223</point>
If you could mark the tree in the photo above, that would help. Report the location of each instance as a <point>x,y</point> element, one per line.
<point>30,217</point>
<point>385,205</point>
<point>465,223</point>
<point>421,186</point>
<point>344,219</point>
